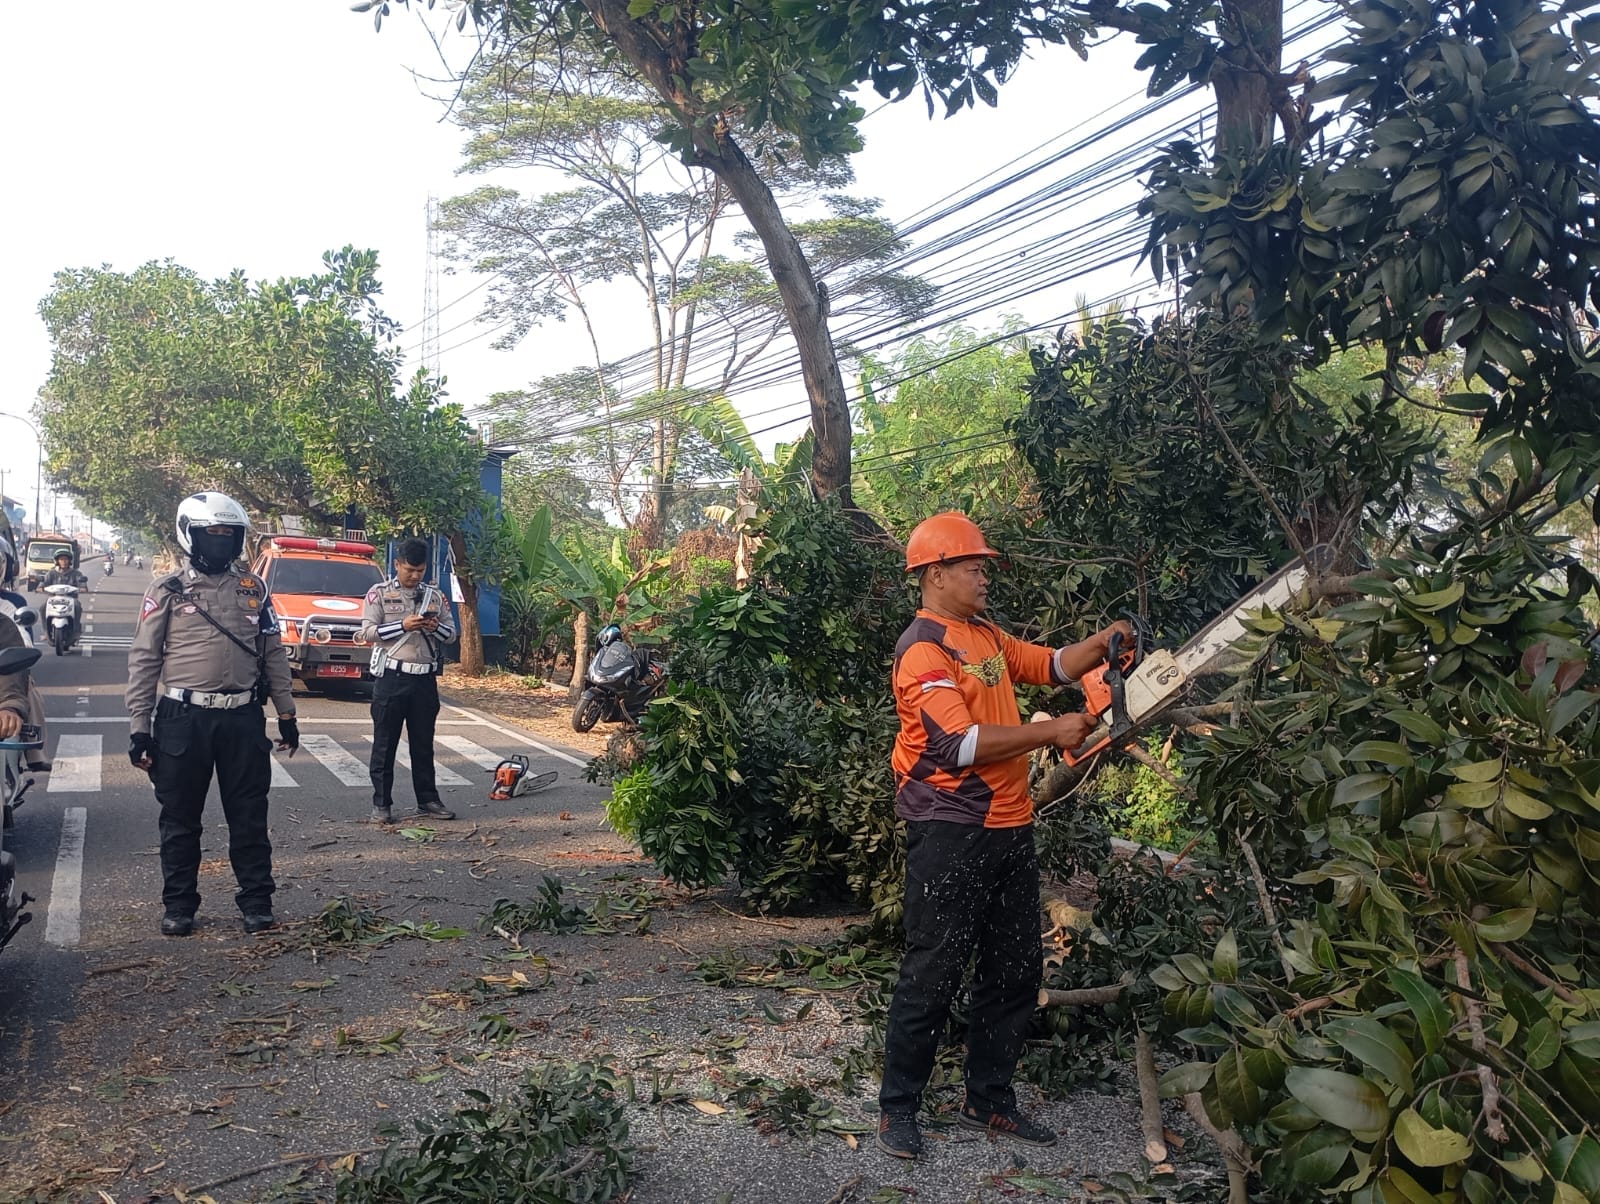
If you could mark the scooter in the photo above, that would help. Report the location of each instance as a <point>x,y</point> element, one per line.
<point>14,783</point>
<point>63,615</point>
<point>621,682</point>
<point>109,567</point>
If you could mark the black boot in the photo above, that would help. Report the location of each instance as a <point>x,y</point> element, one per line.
<point>176,925</point>
<point>434,809</point>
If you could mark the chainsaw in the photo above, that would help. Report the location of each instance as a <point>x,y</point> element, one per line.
<point>512,779</point>
<point>1126,691</point>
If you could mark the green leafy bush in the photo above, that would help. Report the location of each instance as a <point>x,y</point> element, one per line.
<point>559,1138</point>
<point>1420,769</point>
<point>768,756</point>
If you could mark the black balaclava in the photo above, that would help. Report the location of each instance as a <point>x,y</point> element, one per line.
<point>213,554</point>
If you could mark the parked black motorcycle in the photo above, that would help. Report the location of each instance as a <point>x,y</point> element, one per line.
<point>621,680</point>
<point>14,782</point>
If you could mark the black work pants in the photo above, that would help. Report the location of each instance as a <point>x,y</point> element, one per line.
<point>967,888</point>
<point>193,743</point>
<point>410,700</point>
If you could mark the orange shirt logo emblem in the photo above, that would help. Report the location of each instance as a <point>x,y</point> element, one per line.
<point>987,671</point>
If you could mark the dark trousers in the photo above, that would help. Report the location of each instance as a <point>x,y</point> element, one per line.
<point>193,743</point>
<point>410,700</point>
<point>967,888</point>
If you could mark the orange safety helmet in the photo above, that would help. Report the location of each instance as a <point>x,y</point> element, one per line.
<point>943,538</point>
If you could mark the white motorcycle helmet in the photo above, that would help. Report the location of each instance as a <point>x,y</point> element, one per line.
<point>211,553</point>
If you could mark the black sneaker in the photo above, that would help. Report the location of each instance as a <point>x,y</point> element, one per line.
<point>1012,1124</point>
<point>259,921</point>
<point>382,815</point>
<point>176,925</point>
<point>898,1134</point>
<point>434,809</point>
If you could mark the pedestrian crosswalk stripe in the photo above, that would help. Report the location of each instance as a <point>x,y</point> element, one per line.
<point>76,766</point>
<point>443,775</point>
<point>341,764</point>
<point>475,753</point>
<point>280,775</point>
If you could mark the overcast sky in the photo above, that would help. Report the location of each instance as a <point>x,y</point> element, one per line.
<point>228,135</point>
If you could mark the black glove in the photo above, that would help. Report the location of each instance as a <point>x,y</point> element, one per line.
<point>142,751</point>
<point>288,735</point>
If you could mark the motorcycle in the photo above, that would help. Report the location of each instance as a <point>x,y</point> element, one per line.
<point>14,783</point>
<point>63,616</point>
<point>621,682</point>
<point>109,567</point>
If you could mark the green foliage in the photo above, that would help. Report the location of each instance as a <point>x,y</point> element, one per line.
<point>559,1138</point>
<point>347,923</point>
<point>1139,804</point>
<point>625,912</point>
<point>950,396</point>
<point>285,395</point>
<point>1449,209</point>
<point>1420,762</point>
<point>768,756</point>
<point>1125,418</point>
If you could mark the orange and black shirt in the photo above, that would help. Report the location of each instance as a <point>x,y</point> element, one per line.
<point>950,677</point>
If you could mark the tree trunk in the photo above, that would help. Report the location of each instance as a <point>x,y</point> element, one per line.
<point>471,633</point>
<point>1246,77</point>
<point>580,653</point>
<point>803,302</point>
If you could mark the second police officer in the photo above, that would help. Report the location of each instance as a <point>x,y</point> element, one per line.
<point>407,621</point>
<point>206,655</point>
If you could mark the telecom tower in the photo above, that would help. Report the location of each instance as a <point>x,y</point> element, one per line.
<point>430,292</point>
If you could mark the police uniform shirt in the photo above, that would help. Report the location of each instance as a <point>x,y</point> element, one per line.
<point>173,644</point>
<point>384,612</point>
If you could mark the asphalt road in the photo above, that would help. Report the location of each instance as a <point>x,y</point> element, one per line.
<point>86,842</point>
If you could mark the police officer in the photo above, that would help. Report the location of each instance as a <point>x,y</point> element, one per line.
<point>407,621</point>
<point>205,656</point>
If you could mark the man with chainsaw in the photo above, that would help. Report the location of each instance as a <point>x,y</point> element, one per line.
<point>409,623</point>
<point>972,876</point>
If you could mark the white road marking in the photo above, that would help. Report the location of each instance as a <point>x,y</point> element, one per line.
<point>475,753</point>
<point>77,764</point>
<point>64,923</point>
<point>88,629</point>
<point>280,775</point>
<point>520,737</point>
<point>442,774</point>
<point>88,649</point>
<point>340,763</point>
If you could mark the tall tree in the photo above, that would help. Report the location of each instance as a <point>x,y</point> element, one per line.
<point>629,217</point>
<point>730,73</point>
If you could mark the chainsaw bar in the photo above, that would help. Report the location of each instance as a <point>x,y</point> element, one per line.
<point>1162,676</point>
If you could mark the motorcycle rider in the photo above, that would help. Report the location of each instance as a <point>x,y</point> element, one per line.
<point>64,573</point>
<point>111,563</point>
<point>205,656</point>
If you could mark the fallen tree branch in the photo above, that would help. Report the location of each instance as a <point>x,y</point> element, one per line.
<point>1493,1123</point>
<point>1533,972</point>
<point>1309,1006</point>
<point>1267,912</point>
<point>1144,1065</point>
<point>1137,751</point>
<point>280,1164</point>
<point>1084,996</point>
<point>750,919</point>
<point>1235,1154</point>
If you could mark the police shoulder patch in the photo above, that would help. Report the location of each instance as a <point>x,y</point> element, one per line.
<point>149,605</point>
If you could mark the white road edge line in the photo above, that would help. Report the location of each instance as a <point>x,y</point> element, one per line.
<point>64,923</point>
<point>520,737</point>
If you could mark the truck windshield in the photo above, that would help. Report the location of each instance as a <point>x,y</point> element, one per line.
<point>327,578</point>
<point>44,553</point>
